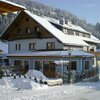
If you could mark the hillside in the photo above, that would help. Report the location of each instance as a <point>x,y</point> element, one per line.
<point>43,10</point>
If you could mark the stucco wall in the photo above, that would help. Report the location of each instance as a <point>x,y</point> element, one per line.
<point>40,44</point>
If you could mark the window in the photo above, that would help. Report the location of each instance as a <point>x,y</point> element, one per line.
<point>83,34</point>
<point>70,32</point>
<point>27,29</point>
<point>45,65</point>
<point>50,45</point>
<point>18,47</point>
<point>93,60</point>
<point>77,33</point>
<point>19,30</point>
<point>65,31</point>
<point>32,46</point>
<point>73,65</point>
<point>92,49</point>
<point>38,65</point>
<point>37,29</point>
<point>86,65</point>
<point>17,62</point>
<point>52,65</point>
<point>49,66</point>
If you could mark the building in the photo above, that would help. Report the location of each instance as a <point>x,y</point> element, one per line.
<point>37,43</point>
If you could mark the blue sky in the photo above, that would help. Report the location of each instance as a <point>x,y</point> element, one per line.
<point>88,10</point>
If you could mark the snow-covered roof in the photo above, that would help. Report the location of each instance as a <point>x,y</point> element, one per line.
<point>94,38</point>
<point>75,27</point>
<point>70,26</point>
<point>53,53</point>
<point>91,39</point>
<point>13,4</point>
<point>65,39</point>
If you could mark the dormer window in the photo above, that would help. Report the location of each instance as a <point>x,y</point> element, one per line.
<point>83,35</point>
<point>77,33</point>
<point>65,31</point>
<point>70,32</point>
<point>37,29</point>
<point>28,30</point>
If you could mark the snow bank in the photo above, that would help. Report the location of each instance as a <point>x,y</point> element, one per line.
<point>21,83</point>
<point>37,74</point>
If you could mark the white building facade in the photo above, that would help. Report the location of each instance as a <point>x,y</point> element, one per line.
<point>36,43</point>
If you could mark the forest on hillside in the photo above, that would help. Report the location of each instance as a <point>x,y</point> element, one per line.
<point>43,10</point>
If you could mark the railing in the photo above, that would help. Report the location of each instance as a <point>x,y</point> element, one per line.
<point>91,73</point>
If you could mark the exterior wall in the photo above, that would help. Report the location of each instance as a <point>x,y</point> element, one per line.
<point>40,44</point>
<point>22,24</point>
<point>80,64</point>
<point>91,46</point>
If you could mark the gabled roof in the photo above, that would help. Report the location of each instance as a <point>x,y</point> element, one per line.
<point>7,6</point>
<point>65,39</point>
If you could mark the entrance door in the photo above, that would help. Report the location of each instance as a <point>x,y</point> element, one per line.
<point>49,69</point>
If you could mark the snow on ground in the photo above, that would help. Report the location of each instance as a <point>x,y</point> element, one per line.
<point>20,83</point>
<point>26,89</point>
<point>37,74</point>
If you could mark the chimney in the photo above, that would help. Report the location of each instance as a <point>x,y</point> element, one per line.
<point>62,20</point>
<point>68,22</point>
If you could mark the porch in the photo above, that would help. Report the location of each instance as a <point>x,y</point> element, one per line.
<point>44,61</point>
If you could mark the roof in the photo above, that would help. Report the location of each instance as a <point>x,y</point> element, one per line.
<point>71,26</point>
<point>7,6</point>
<point>92,39</point>
<point>53,53</point>
<point>75,27</point>
<point>65,39</point>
